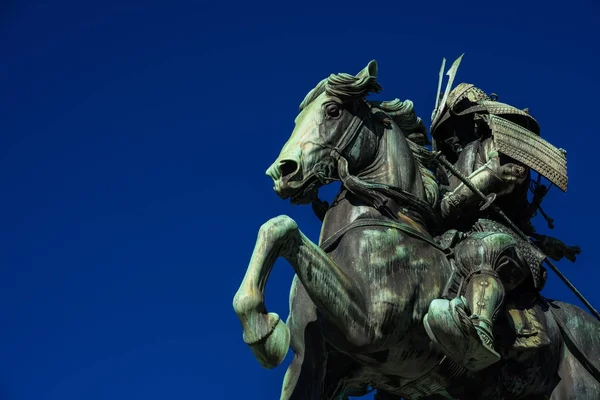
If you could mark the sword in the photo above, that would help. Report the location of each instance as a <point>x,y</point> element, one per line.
<point>488,202</point>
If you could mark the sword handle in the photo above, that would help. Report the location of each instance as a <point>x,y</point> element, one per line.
<point>490,199</point>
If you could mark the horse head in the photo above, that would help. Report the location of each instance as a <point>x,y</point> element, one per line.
<point>330,123</point>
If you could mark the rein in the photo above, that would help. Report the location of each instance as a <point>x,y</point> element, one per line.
<point>378,196</point>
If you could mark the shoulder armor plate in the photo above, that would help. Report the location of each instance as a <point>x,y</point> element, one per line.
<point>525,146</point>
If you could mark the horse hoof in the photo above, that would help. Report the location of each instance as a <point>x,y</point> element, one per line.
<point>270,342</point>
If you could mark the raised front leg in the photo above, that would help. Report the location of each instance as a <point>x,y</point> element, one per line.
<point>335,294</point>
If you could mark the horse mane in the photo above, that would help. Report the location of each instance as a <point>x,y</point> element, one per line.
<point>353,88</point>
<point>344,86</point>
<point>403,114</point>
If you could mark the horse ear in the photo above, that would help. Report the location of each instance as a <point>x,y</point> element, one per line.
<point>370,71</point>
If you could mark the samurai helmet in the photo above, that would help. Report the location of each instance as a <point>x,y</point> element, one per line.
<point>466,99</point>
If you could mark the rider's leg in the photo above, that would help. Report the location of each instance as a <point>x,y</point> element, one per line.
<point>463,327</point>
<point>485,297</point>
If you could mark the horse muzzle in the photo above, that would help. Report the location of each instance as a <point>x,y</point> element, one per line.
<point>289,182</point>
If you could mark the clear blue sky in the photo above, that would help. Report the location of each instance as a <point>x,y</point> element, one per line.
<point>134,138</point>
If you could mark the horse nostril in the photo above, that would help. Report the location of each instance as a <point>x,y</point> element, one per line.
<point>288,168</point>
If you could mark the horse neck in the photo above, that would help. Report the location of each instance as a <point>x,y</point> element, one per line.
<point>394,164</point>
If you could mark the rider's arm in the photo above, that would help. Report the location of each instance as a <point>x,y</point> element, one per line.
<point>492,173</point>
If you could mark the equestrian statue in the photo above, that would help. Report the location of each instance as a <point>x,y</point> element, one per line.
<point>426,281</point>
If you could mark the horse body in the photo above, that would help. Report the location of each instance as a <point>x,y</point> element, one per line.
<point>387,261</point>
<point>358,300</point>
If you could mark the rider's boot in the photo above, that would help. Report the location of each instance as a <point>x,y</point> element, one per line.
<point>463,327</point>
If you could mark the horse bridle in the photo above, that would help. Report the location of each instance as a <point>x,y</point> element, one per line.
<point>337,150</point>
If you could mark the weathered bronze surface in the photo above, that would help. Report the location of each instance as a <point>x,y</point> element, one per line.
<point>418,289</point>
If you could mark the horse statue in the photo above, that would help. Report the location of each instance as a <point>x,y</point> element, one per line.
<point>358,299</point>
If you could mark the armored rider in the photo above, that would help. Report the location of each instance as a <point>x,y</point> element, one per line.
<point>496,146</point>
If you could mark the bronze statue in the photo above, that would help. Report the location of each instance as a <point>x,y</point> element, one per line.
<point>386,253</point>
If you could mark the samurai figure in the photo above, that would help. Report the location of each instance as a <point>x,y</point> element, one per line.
<point>496,146</point>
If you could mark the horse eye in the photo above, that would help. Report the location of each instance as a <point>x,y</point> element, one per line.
<point>333,110</point>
